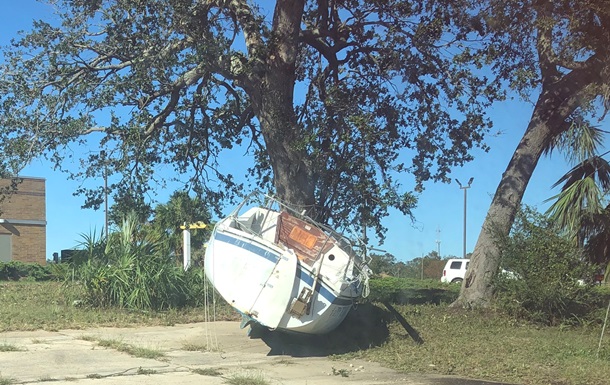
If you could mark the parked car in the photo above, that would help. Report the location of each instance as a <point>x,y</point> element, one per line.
<point>455,270</point>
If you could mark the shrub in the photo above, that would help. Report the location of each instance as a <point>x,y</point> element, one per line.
<point>134,269</point>
<point>411,291</point>
<point>15,270</point>
<point>547,286</point>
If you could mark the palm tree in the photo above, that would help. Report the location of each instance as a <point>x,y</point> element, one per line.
<point>182,208</point>
<point>582,207</point>
<point>595,229</point>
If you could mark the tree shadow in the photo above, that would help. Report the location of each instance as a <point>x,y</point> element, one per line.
<point>364,327</point>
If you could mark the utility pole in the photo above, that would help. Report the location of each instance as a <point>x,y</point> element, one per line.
<point>465,188</point>
<point>106,201</point>
<point>103,156</point>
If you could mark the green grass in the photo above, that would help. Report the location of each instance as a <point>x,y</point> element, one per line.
<point>482,345</point>
<point>136,351</point>
<point>247,378</point>
<point>486,345</point>
<point>4,347</point>
<point>146,372</point>
<point>192,347</point>
<point>412,291</point>
<point>284,361</point>
<point>6,381</point>
<point>340,372</point>
<point>50,306</point>
<point>210,372</point>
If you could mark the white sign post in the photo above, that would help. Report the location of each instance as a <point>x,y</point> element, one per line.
<point>186,248</point>
<point>186,241</point>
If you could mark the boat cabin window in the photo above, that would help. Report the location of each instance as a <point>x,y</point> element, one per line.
<point>307,241</point>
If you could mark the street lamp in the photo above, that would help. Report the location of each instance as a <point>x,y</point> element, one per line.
<point>465,188</point>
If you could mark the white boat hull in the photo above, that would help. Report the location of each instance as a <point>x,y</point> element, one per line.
<point>263,279</point>
<point>255,279</point>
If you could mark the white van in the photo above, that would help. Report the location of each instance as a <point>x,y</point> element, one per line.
<point>455,270</point>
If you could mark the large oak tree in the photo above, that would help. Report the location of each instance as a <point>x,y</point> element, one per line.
<point>332,99</point>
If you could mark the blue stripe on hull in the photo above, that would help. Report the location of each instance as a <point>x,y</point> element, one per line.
<point>324,292</point>
<point>273,257</point>
<point>248,246</point>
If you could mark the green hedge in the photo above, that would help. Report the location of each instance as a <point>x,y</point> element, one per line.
<point>14,271</point>
<point>411,291</point>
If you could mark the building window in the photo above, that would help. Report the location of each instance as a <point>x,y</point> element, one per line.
<point>5,248</point>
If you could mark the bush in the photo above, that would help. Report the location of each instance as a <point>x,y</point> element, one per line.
<point>14,271</point>
<point>411,291</point>
<point>547,285</point>
<point>134,269</point>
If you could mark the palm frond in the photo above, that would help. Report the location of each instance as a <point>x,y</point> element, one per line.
<point>578,143</point>
<point>597,247</point>
<point>595,167</point>
<point>576,198</point>
<point>595,232</point>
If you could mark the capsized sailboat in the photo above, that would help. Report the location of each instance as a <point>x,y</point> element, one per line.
<point>283,270</point>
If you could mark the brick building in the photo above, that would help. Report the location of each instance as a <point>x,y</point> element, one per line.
<point>23,225</point>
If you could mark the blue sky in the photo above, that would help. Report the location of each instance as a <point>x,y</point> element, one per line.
<point>439,215</point>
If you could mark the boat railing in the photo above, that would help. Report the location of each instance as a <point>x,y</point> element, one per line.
<point>260,199</point>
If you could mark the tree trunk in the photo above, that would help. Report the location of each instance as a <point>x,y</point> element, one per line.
<point>273,102</point>
<point>557,101</point>
<point>292,176</point>
<point>484,262</point>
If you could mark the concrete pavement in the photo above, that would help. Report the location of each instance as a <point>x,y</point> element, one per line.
<point>188,354</point>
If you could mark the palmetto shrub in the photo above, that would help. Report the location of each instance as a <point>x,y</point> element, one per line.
<point>134,268</point>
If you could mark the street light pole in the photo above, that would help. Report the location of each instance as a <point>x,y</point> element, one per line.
<point>103,157</point>
<point>106,201</point>
<point>465,188</point>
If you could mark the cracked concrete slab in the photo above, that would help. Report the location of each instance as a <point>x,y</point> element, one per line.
<point>188,354</point>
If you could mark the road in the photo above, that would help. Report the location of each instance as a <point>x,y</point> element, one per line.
<point>210,353</point>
